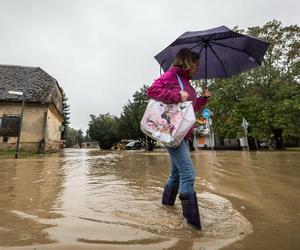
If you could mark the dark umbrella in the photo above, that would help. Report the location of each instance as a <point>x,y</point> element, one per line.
<point>223,52</point>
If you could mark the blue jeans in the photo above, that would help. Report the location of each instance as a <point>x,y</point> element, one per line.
<point>182,169</point>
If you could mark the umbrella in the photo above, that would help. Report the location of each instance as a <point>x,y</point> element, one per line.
<point>223,52</point>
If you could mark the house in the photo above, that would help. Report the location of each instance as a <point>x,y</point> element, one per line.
<point>43,115</point>
<point>203,138</point>
<point>90,144</point>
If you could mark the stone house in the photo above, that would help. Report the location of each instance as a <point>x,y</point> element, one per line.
<point>43,114</point>
<point>90,144</point>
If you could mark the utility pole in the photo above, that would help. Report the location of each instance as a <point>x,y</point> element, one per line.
<point>21,119</point>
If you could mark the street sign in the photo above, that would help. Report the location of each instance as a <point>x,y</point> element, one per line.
<point>206,113</point>
<point>11,92</point>
<point>245,124</point>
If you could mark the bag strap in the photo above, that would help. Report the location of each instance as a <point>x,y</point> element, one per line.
<point>180,82</point>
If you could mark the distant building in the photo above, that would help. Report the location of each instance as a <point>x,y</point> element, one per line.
<point>43,115</point>
<point>91,144</point>
<point>203,138</point>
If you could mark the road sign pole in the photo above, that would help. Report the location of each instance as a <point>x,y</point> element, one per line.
<point>206,115</point>
<point>210,135</point>
<point>246,136</point>
<point>245,127</point>
<point>20,127</point>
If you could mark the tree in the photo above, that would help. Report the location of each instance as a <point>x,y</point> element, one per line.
<point>71,135</point>
<point>66,113</point>
<point>87,138</point>
<point>103,130</point>
<point>267,96</point>
<point>108,129</point>
<point>131,117</point>
<point>79,138</point>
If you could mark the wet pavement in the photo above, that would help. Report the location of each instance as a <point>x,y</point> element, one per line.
<point>91,199</point>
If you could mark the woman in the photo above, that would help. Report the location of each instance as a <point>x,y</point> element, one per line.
<point>182,176</point>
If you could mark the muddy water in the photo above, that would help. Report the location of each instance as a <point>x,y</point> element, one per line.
<point>90,199</point>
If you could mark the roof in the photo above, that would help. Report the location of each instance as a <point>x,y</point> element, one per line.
<point>37,84</point>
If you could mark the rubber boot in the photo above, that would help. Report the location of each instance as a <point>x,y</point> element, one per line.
<point>190,209</point>
<point>169,195</point>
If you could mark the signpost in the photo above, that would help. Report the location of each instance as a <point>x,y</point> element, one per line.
<point>206,114</point>
<point>245,125</point>
<point>21,118</point>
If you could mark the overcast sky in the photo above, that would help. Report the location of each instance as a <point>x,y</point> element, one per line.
<point>102,51</point>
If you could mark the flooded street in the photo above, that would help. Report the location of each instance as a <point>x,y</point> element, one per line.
<point>91,199</point>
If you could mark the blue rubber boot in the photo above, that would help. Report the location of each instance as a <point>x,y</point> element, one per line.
<point>169,195</point>
<point>190,209</point>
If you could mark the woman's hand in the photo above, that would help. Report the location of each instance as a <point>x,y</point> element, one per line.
<point>184,95</point>
<point>205,93</point>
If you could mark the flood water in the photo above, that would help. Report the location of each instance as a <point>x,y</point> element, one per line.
<point>91,199</point>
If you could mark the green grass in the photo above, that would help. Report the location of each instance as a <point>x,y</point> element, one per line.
<point>293,149</point>
<point>10,153</point>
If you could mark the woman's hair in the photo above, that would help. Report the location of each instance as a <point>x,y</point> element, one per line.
<point>185,58</point>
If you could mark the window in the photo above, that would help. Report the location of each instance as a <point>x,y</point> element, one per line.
<point>9,125</point>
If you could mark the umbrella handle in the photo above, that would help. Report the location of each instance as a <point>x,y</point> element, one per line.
<point>205,84</point>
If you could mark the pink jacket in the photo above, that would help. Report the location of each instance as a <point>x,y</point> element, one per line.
<point>166,89</point>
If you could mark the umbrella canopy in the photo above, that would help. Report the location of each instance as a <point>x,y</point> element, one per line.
<point>223,52</point>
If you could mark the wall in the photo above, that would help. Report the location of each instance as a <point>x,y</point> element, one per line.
<point>33,125</point>
<point>53,134</point>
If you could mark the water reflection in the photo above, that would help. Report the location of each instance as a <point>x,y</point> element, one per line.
<point>129,194</point>
<point>107,200</point>
<point>29,189</point>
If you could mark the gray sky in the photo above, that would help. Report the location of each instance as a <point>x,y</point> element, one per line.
<point>102,51</point>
